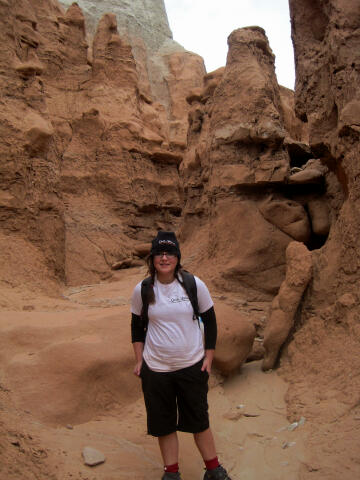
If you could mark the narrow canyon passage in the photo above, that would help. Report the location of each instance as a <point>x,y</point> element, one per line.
<point>88,407</point>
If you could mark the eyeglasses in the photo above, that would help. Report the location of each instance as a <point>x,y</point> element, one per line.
<point>167,255</point>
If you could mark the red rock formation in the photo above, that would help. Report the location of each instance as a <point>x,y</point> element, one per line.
<point>91,162</point>
<point>88,153</point>
<point>325,350</point>
<point>237,170</point>
<point>166,71</point>
<point>186,72</point>
<point>286,302</point>
<point>296,129</point>
<point>114,125</point>
<point>30,206</point>
<point>84,114</point>
<point>88,113</point>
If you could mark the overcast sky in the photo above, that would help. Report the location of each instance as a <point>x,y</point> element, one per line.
<point>202,26</point>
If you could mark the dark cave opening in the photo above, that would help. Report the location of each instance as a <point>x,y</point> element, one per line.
<point>299,154</point>
<point>316,241</point>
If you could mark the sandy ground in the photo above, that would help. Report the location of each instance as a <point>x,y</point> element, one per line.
<point>248,410</point>
<point>248,419</point>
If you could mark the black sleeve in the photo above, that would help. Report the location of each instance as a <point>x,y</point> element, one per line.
<point>137,329</point>
<point>210,328</point>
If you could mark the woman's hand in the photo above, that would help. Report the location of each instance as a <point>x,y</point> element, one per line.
<point>209,355</point>
<point>138,350</point>
<point>137,368</point>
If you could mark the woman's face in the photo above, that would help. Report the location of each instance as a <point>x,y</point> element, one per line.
<point>165,263</point>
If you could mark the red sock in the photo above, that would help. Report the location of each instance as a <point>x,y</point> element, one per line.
<point>211,464</point>
<point>172,468</point>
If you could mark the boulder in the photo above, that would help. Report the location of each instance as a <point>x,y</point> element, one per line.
<point>236,335</point>
<point>289,216</point>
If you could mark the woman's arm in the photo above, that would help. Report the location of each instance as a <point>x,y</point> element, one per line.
<point>138,334</point>
<point>210,334</point>
<point>210,328</point>
<point>138,331</point>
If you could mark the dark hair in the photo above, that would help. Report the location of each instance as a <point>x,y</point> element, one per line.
<point>152,271</point>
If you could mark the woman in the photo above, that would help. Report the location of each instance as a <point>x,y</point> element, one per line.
<point>172,360</point>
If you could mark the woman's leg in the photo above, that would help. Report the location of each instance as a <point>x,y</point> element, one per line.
<point>206,444</point>
<point>169,448</point>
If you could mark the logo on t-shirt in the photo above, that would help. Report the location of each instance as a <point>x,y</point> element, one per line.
<point>179,299</point>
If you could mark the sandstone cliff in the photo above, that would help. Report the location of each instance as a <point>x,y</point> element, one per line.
<point>78,125</point>
<point>325,350</point>
<point>247,159</point>
<point>97,154</point>
<point>85,111</point>
<point>165,69</point>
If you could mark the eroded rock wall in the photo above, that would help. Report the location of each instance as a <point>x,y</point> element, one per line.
<point>245,201</point>
<point>106,154</point>
<point>88,164</point>
<point>30,207</point>
<point>327,92</point>
<point>326,345</point>
<point>165,69</point>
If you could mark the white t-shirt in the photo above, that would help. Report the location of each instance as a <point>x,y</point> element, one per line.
<point>173,339</point>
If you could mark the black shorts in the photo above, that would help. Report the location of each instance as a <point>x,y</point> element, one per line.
<point>175,400</point>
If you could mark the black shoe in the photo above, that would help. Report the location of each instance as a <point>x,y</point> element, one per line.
<point>171,476</point>
<point>218,473</point>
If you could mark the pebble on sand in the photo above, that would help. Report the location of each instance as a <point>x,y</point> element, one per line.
<point>92,456</point>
